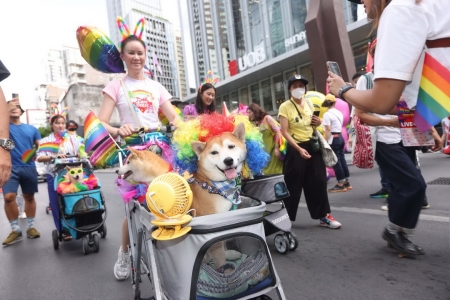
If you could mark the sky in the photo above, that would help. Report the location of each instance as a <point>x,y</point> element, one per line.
<point>29,28</point>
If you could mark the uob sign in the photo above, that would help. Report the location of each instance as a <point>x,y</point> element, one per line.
<point>251,59</point>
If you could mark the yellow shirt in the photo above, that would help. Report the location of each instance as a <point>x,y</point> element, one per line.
<point>302,130</point>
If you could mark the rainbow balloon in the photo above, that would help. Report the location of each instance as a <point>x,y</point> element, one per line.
<point>98,50</point>
<point>49,147</point>
<point>28,155</point>
<point>105,155</point>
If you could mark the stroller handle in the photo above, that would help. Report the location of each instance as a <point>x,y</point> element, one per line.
<point>142,130</point>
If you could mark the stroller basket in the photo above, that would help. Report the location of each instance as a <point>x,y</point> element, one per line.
<point>269,188</point>
<point>82,202</point>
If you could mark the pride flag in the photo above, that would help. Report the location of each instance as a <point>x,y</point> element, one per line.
<point>49,147</point>
<point>94,132</point>
<point>433,102</point>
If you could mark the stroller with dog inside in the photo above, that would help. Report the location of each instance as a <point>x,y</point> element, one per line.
<point>79,211</point>
<point>272,189</point>
<point>174,250</point>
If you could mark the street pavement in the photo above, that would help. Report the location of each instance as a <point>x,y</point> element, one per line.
<point>350,263</point>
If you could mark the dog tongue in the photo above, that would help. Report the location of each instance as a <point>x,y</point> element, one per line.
<point>230,173</point>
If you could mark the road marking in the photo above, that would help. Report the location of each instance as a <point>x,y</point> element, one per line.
<point>383,213</point>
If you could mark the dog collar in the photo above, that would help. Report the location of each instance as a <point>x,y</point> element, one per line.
<point>229,189</point>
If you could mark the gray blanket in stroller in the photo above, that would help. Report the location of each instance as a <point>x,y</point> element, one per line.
<point>248,271</point>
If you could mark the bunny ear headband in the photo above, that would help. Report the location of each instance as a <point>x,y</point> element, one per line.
<point>210,79</point>
<point>125,31</point>
<point>56,112</point>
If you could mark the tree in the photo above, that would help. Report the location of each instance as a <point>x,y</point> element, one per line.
<point>44,131</point>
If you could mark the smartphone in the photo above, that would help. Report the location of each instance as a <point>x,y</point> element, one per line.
<point>333,67</point>
<point>316,113</point>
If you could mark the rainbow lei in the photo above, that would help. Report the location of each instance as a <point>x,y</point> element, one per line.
<point>207,126</point>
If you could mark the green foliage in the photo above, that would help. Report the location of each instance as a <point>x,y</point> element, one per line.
<point>44,131</point>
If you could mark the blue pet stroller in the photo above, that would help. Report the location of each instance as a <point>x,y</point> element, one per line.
<point>78,215</point>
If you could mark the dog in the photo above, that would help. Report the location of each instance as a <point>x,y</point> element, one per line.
<point>220,159</point>
<point>143,166</point>
<point>75,174</point>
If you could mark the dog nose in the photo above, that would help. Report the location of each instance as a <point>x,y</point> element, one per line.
<point>117,171</point>
<point>228,161</point>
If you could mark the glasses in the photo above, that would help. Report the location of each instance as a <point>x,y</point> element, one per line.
<point>75,172</point>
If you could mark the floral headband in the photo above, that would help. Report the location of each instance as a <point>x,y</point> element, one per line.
<point>54,111</point>
<point>210,79</point>
<point>125,31</point>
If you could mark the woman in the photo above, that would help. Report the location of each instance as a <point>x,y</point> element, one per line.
<point>68,145</point>
<point>303,168</point>
<point>137,100</point>
<point>72,128</point>
<point>204,103</point>
<point>271,132</point>
<point>332,122</point>
<point>405,28</point>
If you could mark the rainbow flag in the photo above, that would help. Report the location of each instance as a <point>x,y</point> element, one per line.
<point>94,131</point>
<point>433,102</point>
<point>28,155</point>
<point>49,147</point>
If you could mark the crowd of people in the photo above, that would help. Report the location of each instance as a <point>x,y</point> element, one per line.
<point>374,97</point>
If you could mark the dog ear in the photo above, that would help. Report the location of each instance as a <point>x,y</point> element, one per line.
<point>239,132</point>
<point>198,147</point>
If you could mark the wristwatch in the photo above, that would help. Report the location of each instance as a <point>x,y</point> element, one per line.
<point>7,144</point>
<point>344,89</point>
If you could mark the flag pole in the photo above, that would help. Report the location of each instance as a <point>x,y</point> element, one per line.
<point>154,66</point>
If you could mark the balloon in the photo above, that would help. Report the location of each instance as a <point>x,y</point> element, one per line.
<point>345,110</point>
<point>331,172</point>
<point>317,99</point>
<point>162,117</point>
<point>98,50</point>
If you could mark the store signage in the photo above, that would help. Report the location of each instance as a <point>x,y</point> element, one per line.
<point>251,59</point>
<point>294,39</point>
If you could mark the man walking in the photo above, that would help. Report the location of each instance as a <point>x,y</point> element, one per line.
<point>24,174</point>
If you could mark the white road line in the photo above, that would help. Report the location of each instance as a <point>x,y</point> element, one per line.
<point>383,213</point>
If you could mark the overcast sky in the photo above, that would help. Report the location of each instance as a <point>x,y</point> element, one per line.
<point>29,28</point>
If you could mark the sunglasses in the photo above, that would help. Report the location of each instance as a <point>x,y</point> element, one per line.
<point>75,172</point>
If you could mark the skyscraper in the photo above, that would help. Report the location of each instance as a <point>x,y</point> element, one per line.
<point>158,36</point>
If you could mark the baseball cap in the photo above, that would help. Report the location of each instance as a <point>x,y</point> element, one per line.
<point>296,77</point>
<point>330,97</point>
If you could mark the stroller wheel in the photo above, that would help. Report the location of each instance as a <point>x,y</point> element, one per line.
<point>96,243</point>
<point>293,241</point>
<point>281,243</point>
<point>104,231</point>
<point>55,239</point>
<point>85,244</point>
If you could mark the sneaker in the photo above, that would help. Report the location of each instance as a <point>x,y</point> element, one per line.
<point>13,237</point>
<point>122,268</point>
<point>348,186</point>
<point>22,215</point>
<point>330,222</point>
<point>399,241</point>
<point>385,208</point>
<point>425,204</point>
<point>380,194</point>
<point>32,233</point>
<point>337,189</point>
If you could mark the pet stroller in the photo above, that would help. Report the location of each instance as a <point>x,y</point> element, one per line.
<point>80,214</point>
<point>182,268</point>
<point>270,189</point>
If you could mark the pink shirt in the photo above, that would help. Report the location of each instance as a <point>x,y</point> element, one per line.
<point>146,97</point>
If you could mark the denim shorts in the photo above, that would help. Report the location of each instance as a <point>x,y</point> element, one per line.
<point>26,177</point>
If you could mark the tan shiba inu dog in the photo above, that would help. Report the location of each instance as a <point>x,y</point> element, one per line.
<point>75,174</point>
<point>143,166</point>
<point>219,159</point>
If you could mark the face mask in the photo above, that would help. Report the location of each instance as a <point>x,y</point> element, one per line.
<point>298,93</point>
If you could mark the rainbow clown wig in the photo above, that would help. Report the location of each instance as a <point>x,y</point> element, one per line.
<point>210,125</point>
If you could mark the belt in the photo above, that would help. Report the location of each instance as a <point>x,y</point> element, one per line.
<point>439,43</point>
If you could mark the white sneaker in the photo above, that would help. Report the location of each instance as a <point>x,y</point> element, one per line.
<point>122,267</point>
<point>330,222</point>
<point>385,208</point>
<point>22,215</point>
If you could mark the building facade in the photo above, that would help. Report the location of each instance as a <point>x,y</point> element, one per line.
<point>158,37</point>
<point>256,45</point>
<point>182,82</point>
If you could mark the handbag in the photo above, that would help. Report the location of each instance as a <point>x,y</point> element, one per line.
<point>365,140</point>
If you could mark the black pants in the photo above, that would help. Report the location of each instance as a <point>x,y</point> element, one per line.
<point>308,175</point>
<point>407,184</point>
<point>341,168</point>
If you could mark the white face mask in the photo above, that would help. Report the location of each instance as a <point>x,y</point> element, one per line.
<point>298,93</point>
